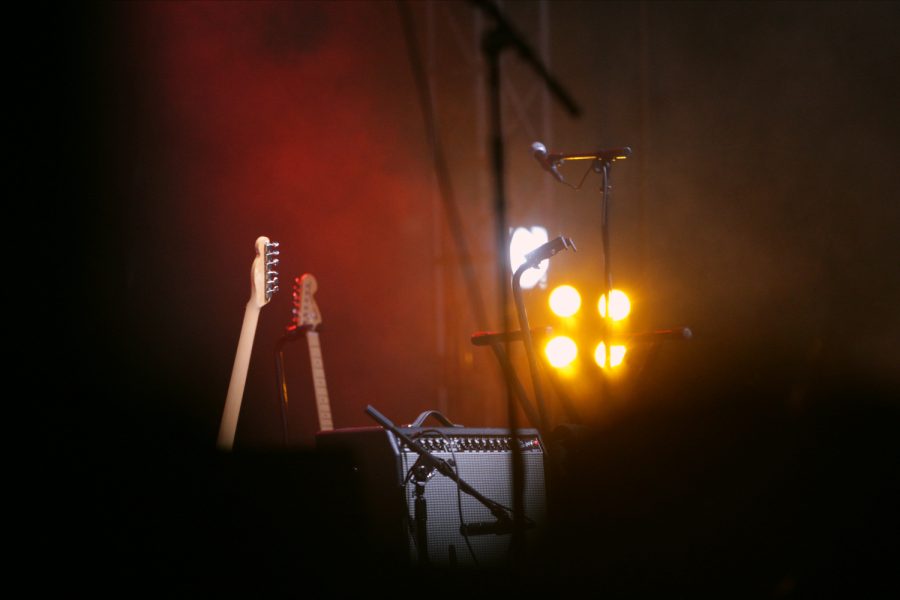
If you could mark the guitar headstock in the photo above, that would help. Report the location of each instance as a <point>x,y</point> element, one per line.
<point>306,312</point>
<point>263,276</point>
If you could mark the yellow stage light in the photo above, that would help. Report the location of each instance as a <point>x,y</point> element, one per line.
<point>616,355</point>
<point>619,305</point>
<point>561,351</point>
<point>565,301</point>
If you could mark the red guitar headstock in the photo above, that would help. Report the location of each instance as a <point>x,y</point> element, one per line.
<point>306,312</point>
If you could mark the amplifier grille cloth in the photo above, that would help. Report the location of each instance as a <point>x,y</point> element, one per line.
<point>489,473</point>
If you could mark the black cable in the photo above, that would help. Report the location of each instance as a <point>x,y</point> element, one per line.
<point>580,183</point>
<point>281,384</point>
<point>451,209</point>
<point>462,523</point>
<point>409,520</point>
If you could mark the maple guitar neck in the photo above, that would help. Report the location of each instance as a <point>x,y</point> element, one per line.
<point>308,317</point>
<point>238,380</point>
<point>323,404</point>
<point>263,284</point>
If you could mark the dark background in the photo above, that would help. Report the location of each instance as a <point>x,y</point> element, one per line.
<point>760,209</point>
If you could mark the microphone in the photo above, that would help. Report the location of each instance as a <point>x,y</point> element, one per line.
<point>486,528</point>
<point>498,527</point>
<point>539,151</point>
<point>677,334</point>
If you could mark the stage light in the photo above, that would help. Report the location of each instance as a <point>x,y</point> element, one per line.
<point>619,305</point>
<point>616,355</point>
<point>565,301</point>
<point>561,351</point>
<point>521,242</point>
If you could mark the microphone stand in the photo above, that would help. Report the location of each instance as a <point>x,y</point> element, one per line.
<point>604,165</point>
<point>503,35</point>
<point>532,260</point>
<point>508,36</point>
<point>420,475</point>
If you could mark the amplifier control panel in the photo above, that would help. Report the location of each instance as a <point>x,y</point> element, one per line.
<point>477,443</point>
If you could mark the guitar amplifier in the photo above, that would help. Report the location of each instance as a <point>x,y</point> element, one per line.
<point>383,470</point>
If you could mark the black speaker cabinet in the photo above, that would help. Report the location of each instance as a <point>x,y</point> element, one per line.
<point>383,469</point>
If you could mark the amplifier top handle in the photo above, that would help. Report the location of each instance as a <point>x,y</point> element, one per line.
<point>437,415</point>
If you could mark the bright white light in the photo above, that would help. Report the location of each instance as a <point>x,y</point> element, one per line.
<point>521,242</point>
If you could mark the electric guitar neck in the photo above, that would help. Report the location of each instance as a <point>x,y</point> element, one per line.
<point>263,285</point>
<point>308,318</point>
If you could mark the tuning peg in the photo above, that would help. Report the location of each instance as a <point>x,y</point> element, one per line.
<point>273,262</point>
